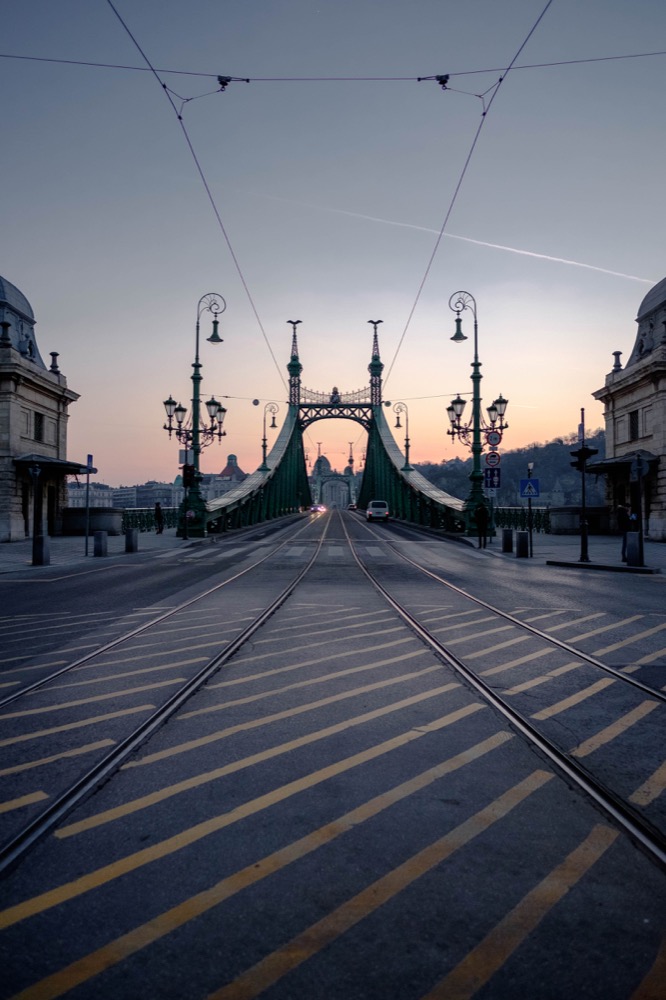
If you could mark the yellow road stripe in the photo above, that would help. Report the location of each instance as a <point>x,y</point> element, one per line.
<point>314,938</point>
<point>651,657</point>
<point>287,713</point>
<point>480,635</point>
<point>132,862</point>
<point>518,662</point>
<point>112,678</point>
<point>610,732</point>
<point>40,762</point>
<point>313,645</point>
<point>574,699</point>
<point>630,640</point>
<point>650,789</point>
<point>500,645</point>
<point>24,800</point>
<point>345,627</point>
<point>652,987</point>
<point>165,923</point>
<point>305,663</point>
<point>478,967</point>
<point>87,701</point>
<point>605,628</point>
<point>375,686</point>
<point>26,737</point>
<point>145,801</point>
<point>557,672</point>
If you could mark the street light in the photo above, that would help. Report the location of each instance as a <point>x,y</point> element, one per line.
<point>271,408</point>
<point>398,409</point>
<point>471,432</point>
<point>194,433</point>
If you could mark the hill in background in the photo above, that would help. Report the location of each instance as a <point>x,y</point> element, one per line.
<point>559,483</point>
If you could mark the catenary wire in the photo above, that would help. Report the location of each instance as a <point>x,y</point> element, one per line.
<point>484,115</point>
<point>207,189</point>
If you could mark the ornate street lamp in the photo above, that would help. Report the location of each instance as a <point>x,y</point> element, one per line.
<point>398,409</point>
<point>470,433</point>
<point>271,408</point>
<point>194,433</point>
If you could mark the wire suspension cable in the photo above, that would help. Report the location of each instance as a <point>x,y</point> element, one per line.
<point>475,140</point>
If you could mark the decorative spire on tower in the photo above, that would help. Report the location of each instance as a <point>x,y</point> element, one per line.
<point>375,367</point>
<point>294,367</point>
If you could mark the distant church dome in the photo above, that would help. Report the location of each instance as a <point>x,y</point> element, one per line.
<point>17,311</point>
<point>655,297</point>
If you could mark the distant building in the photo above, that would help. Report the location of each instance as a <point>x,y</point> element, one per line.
<point>213,486</point>
<point>634,399</point>
<point>34,404</point>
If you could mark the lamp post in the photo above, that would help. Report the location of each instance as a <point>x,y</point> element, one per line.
<point>193,432</point>
<point>495,424</point>
<point>398,409</point>
<point>271,408</point>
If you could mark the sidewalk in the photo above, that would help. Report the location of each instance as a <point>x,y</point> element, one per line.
<point>553,550</point>
<point>69,551</point>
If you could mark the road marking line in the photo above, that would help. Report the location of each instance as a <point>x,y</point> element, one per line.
<point>40,762</point>
<point>165,923</point>
<point>145,801</point>
<point>306,663</point>
<point>574,699</point>
<point>478,967</point>
<point>615,729</point>
<point>26,737</point>
<point>132,862</point>
<point>302,947</point>
<point>87,701</point>
<point>650,789</point>
<point>24,800</point>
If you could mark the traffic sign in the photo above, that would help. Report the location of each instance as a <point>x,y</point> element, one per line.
<point>491,479</point>
<point>492,459</point>
<point>529,488</point>
<point>493,438</point>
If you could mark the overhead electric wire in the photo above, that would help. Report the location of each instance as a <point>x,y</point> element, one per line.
<point>484,115</point>
<point>208,191</point>
<point>331,79</point>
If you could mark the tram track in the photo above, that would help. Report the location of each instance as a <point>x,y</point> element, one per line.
<point>632,820</point>
<point>64,801</point>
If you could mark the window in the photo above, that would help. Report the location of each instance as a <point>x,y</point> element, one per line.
<point>39,426</point>
<point>634,432</point>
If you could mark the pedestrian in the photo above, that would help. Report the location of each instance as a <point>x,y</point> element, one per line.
<point>481,515</point>
<point>159,518</point>
<point>623,524</point>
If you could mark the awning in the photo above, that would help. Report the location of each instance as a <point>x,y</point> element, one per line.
<point>51,466</point>
<point>624,463</point>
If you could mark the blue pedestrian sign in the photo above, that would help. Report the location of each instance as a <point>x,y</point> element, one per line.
<point>529,488</point>
<point>491,479</point>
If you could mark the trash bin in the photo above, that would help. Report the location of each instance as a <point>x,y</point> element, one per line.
<point>507,539</point>
<point>522,544</point>
<point>132,540</point>
<point>100,543</point>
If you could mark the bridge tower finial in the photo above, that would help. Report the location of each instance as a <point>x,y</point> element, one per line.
<point>375,367</point>
<point>294,367</point>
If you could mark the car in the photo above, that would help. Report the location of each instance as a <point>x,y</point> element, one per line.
<point>377,510</point>
<point>317,508</point>
<point>351,506</point>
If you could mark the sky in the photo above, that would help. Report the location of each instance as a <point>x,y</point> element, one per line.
<point>333,188</point>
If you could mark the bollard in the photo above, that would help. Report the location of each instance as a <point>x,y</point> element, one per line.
<point>100,543</point>
<point>41,551</point>
<point>634,548</point>
<point>132,540</point>
<point>522,544</point>
<point>507,540</point>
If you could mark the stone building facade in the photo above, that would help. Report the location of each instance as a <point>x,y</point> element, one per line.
<point>634,398</point>
<point>34,404</point>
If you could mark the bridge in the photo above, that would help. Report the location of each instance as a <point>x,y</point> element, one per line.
<point>280,486</point>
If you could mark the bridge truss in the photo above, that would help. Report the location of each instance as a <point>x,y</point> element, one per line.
<point>283,487</point>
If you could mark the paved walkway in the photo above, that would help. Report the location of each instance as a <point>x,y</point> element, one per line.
<point>603,551</point>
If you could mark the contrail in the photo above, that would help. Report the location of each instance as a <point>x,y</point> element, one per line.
<point>467,239</point>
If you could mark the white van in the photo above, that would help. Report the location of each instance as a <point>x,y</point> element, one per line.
<point>377,510</point>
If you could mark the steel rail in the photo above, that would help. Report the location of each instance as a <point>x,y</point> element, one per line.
<point>632,823</point>
<point>15,849</point>
<point>140,629</point>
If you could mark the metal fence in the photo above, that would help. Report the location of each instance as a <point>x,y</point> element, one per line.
<point>517,518</point>
<point>143,518</point>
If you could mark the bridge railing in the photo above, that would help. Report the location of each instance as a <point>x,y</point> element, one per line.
<point>409,494</point>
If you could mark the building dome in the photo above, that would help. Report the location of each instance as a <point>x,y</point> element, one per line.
<point>655,297</point>
<point>17,311</point>
<point>15,299</point>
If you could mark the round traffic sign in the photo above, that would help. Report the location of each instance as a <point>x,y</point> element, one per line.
<point>492,459</point>
<point>493,438</point>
